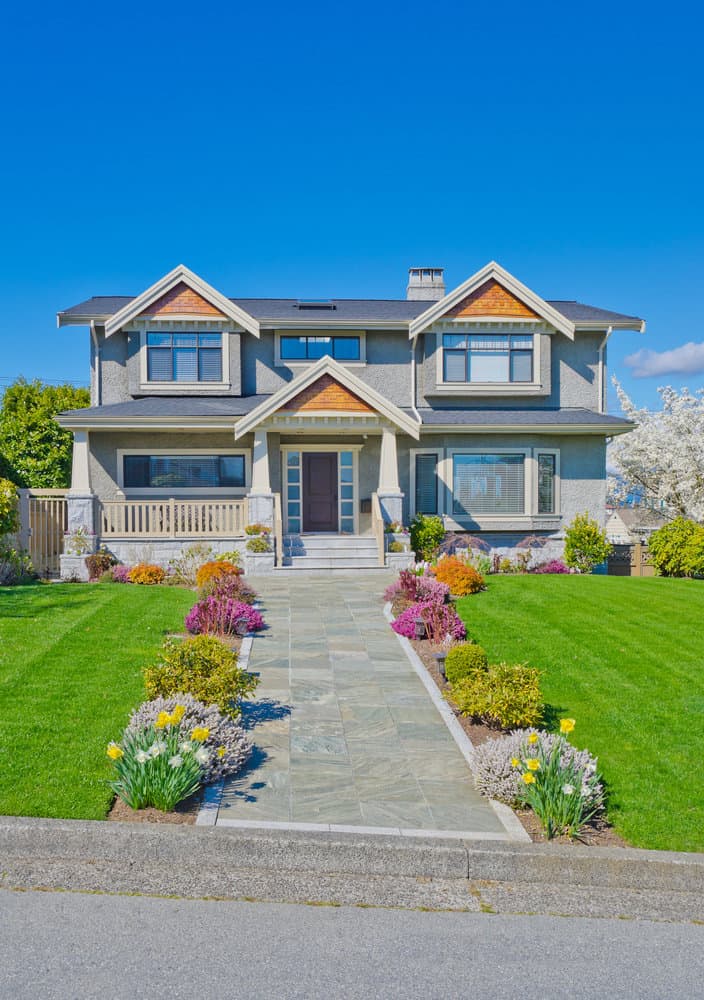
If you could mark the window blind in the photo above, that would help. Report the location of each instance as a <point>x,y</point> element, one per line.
<point>488,484</point>
<point>426,498</point>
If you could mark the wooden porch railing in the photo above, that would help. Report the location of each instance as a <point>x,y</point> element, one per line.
<point>378,528</point>
<point>173,518</point>
<point>278,531</point>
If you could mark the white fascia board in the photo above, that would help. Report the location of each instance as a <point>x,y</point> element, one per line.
<point>62,319</point>
<point>638,327</point>
<point>331,324</point>
<point>511,284</point>
<point>146,423</point>
<point>164,285</point>
<point>603,430</point>
<point>327,366</point>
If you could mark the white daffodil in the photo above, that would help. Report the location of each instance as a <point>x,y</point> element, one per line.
<point>142,757</point>
<point>157,748</point>
<point>202,755</point>
<point>176,760</point>
<point>186,746</point>
<point>568,789</point>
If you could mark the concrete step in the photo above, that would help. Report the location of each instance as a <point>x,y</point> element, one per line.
<point>330,562</point>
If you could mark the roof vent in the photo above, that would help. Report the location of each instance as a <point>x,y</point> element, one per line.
<point>315,304</point>
<point>426,283</point>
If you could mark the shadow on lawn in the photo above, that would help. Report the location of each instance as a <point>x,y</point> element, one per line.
<point>551,717</point>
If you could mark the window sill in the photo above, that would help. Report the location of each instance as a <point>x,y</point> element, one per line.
<point>488,389</point>
<point>503,522</point>
<point>307,364</point>
<point>176,493</point>
<point>151,387</point>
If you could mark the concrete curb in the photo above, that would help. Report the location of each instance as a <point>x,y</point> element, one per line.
<point>507,817</point>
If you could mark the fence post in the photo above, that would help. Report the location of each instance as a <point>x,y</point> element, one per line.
<point>25,530</point>
<point>637,560</point>
<point>172,521</point>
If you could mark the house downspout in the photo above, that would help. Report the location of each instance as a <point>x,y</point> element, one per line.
<point>98,372</point>
<point>602,371</point>
<point>413,381</point>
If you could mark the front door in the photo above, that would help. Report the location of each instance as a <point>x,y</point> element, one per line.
<point>320,491</point>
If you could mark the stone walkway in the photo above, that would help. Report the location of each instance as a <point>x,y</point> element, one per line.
<point>345,733</point>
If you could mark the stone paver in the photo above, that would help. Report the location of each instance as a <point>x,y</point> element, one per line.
<point>344,731</point>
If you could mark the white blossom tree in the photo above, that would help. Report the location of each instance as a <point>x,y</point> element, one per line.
<point>662,459</point>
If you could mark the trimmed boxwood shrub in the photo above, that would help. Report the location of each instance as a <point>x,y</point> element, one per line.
<point>464,660</point>
<point>506,695</point>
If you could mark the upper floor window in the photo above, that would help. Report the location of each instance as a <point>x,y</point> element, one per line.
<point>502,358</point>
<point>309,348</point>
<point>184,357</point>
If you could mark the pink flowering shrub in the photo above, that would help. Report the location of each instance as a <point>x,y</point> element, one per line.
<point>553,566</point>
<point>431,591</point>
<point>221,616</point>
<point>121,574</point>
<point>440,620</point>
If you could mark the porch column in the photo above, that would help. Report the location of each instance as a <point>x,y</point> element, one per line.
<point>80,500</point>
<point>389,491</point>
<point>260,497</point>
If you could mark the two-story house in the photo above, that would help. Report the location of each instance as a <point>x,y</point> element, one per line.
<point>485,405</point>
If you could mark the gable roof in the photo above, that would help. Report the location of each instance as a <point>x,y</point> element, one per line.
<point>345,378</point>
<point>492,272</point>
<point>180,275</point>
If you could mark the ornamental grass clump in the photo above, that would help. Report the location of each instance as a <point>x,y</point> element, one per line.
<point>159,764</point>
<point>563,796</point>
<point>206,668</point>
<point>215,615</point>
<point>226,742</point>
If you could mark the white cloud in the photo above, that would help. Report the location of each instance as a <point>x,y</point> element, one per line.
<point>685,360</point>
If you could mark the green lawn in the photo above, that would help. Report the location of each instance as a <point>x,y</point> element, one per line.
<point>70,672</point>
<point>625,658</point>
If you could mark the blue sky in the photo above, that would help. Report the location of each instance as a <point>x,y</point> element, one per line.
<point>320,150</point>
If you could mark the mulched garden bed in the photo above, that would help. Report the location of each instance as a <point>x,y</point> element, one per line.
<point>595,834</point>
<point>185,812</point>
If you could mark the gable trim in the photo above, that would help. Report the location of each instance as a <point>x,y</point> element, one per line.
<point>512,285</point>
<point>327,366</point>
<point>181,274</point>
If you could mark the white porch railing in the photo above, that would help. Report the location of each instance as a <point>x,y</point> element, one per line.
<point>173,518</point>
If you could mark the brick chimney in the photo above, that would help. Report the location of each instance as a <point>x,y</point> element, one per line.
<point>426,283</point>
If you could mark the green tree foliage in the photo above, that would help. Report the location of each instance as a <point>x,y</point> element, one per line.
<point>36,451</point>
<point>9,520</point>
<point>585,544</point>
<point>677,549</point>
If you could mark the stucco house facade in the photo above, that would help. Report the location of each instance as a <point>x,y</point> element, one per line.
<point>327,420</point>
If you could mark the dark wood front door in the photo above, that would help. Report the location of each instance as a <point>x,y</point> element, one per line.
<point>320,491</point>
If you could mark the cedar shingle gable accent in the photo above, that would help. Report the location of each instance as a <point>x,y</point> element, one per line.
<point>491,299</point>
<point>326,393</point>
<point>182,300</point>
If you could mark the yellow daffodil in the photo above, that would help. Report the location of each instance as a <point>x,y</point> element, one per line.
<point>163,719</point>
<point>177,714</point>
<point>533,764</point>
<point>533,738</point>
<point>114,752</point>
<point>200,733</point>
<point>528,778</point>
<point>566,725</point>
<point>515,762</point>
<point>221,751</point>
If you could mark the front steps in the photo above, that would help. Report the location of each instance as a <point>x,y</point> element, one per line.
<point>330,552</point>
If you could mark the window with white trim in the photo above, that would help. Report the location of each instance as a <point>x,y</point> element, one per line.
<point>312,348</point>
<point>547,470</point>
<point>426,483</point>
<point>488,484</point>
<point>184,357</point>
<point>487,358</point>
<point>183,471</point>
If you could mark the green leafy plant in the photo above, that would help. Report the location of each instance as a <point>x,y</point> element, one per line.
<point>677,549</point>
<point>256,529</point>
<point>9,512</point>
<point>258,543</point>
<point>464,660</point>
<point>204,667</point>
<point>585,544</point>
<point>397,547</point>
<point>159,765</point>
<point>427,533</point>
<point>15,566</point>
<point>562,795</point>
<point>505,695</point>
<point>233,556</point>
<point>78,542</point>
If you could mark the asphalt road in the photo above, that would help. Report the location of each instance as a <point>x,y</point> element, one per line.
<point>74,945</point>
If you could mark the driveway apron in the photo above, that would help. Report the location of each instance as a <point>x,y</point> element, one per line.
<point>345,733</point>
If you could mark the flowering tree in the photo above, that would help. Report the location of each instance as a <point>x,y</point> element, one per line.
<point>663,458</point>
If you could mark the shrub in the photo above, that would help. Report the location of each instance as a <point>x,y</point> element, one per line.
<point>204,667</point>
<point>258,543</point>
<point>121,574</point>
<point>505,695</point>
<point>15,566</point>
<point>146,574</point>
<point>233,556</point>
<point>463,660</point>
<point>158,765</point>
<point>677,549</point>
<point>78,542</point>
<point>553,566</point>
<point>440,620</point>
<point>9,510</point>
<point>99,563</point>
<point>585,544</point>
<point>216,615</point>
<point>256,529</point>
<point>234,587</point>
<point>215,570</point>
<point>226,742</point>
<point>431,591</point>
<point>427,532</point>
<point>563,796</point>
<point>461,578</point>
<point>397,547</point>
<point>186,565</point>
<point>497,776</point>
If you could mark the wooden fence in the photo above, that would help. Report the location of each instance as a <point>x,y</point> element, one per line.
<point>630,560</point>
<point>43,524</point>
